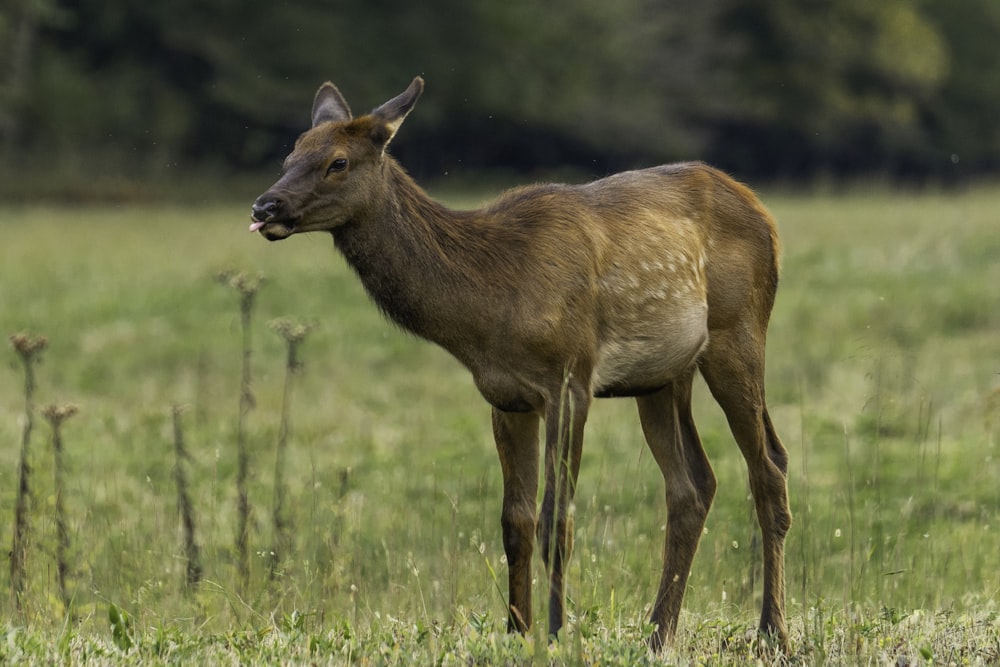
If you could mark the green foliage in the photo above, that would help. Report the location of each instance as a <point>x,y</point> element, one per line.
<point>958,114</point>
<point>917,638</point>
<point>834,87</point>
<point>783,89</point>
<point>121,627</point>
<point>882,381</point>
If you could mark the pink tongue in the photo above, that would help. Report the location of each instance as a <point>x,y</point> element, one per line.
<point>256,224</point>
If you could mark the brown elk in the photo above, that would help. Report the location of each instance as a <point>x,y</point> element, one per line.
<point>554,295</point>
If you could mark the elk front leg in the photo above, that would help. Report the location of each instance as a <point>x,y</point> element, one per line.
<point>516,437</point>
<point>564,423</point>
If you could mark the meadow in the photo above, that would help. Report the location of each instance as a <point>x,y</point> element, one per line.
<point>883,382</point>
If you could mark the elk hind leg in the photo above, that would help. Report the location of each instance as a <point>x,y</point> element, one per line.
<point>733,367</point>
<point>690,487</point>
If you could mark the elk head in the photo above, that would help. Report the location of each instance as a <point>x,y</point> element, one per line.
<point>334,172</point>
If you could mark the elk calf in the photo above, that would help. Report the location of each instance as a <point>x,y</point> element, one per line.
<point>554,295</point>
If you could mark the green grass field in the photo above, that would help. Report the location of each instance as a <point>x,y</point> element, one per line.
<point>883,381</point>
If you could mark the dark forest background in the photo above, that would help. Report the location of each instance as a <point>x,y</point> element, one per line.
<point>772,90</point>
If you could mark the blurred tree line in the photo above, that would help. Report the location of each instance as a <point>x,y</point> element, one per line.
<point>769,89</point>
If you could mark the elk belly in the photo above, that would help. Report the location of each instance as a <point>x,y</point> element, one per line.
<point>648,360</point>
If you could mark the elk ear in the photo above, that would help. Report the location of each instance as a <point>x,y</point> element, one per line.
<point>329,105</point>
<point>393,112</point>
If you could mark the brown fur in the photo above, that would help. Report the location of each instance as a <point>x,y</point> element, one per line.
<point>555,294</point>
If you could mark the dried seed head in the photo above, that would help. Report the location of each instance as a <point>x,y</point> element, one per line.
<point>245,284</point>
<point>26,346</point>
<point>57,414</point>
<point>292,330</point>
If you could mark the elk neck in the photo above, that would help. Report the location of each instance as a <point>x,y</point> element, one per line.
<point>417,260</point>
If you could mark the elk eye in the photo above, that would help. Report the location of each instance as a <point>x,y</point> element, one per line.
<point>340,164</point>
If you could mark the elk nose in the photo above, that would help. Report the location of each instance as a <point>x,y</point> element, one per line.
<point>265,208</point>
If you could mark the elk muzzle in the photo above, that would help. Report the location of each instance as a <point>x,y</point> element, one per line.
<point>269,216</point>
